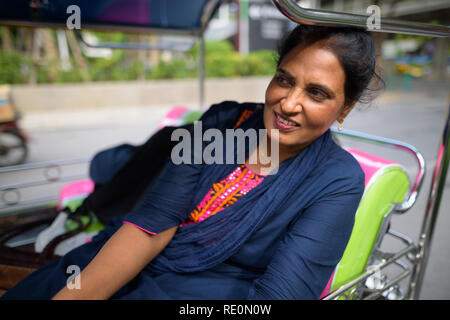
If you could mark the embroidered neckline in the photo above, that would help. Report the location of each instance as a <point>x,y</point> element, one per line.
<point>225,193</point>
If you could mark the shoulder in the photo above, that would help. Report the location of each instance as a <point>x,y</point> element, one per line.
<point>341,165</point>
<point>338,176</point>
<point>230,105</point>
<point>338,185</point>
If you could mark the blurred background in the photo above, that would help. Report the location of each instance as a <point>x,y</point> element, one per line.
<point>243,35</point>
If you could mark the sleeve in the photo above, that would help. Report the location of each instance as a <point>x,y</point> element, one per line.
<point>312,247</point>
<point>167,203</point>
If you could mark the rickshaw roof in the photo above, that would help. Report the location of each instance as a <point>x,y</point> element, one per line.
<point>178,16</point>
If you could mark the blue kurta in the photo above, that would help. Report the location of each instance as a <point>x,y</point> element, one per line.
<point>290,256</point>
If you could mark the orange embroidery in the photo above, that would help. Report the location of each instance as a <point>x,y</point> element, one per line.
<point>218,189</point>
<point>225,193</point>
<point>244,116</point>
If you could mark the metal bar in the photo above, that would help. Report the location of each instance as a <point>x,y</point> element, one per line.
<point>399,145</point>
<point>367,274</point>
<point>44,164</point>
<point>338,19</point>
<point>42,182</point>
<point>209,11</point>
<point>201,71</point>
<point>406,240</point>
<point>432,210</point>
<point>99,27</point>
<point>44,201</point>
<point>392,283</point>
<point>183,47</point>
<point>47,167</point>
<point>50,202</point>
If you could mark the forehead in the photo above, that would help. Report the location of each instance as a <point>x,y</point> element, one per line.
<point>315,63</point>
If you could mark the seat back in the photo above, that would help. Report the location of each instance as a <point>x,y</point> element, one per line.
<point>178,116</point>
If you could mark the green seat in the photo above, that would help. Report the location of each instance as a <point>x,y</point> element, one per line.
<point>387,185</point>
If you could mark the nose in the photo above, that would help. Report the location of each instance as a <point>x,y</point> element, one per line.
<point>292,103</point>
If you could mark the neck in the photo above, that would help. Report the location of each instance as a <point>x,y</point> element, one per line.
<point>284,151</point>
<point>266,160</point>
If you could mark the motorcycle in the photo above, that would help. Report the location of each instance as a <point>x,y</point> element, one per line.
<point>13,140</point>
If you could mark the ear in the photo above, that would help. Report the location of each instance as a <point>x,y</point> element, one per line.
<point>345,111</point>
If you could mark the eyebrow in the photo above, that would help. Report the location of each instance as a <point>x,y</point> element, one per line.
<point>317,85</point>
<point>286,73</point>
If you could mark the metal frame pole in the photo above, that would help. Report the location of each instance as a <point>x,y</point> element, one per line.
<point>294,12</point>
<point>201,71</point>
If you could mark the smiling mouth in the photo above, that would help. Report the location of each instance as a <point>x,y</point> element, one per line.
<point>283,123</point>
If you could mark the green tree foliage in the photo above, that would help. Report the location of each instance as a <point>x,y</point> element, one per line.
<point>14,68</point>
<point>221,60</point>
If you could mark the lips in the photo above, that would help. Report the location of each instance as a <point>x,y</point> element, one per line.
<point>284,123</point>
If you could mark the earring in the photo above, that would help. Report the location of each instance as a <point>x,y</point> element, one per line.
<point>340,127</point>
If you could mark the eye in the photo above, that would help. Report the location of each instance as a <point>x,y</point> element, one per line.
<point>317,94</point>
<point>282,81</point>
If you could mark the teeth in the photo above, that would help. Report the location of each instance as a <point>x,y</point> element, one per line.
<point>286,122</point>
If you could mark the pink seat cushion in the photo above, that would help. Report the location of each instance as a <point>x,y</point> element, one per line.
<point>173,118</point>
<point>75,190</point>
<point>369,163</point>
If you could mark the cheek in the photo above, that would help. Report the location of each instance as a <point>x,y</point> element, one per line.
<point>273,94</point>
<point>267,117</point>
<point>319,117</point>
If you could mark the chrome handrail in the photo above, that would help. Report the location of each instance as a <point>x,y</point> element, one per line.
<point>296,13</point>
<point>369,272</point>
<point>208,13</point>
<point>53,174</point>
<point>135,45</point>
<point>415,189</point>
<point>438,182</point>
<point>43,164</point>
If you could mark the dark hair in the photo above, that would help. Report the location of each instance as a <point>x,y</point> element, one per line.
<point>354,48</point>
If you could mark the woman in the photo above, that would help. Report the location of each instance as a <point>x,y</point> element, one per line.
<point>228,231</point>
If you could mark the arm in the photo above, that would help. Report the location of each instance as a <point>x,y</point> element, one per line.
<point>122,257</point>
<point>312,247</point>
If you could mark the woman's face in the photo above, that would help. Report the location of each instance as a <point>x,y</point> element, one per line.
<point>305,97</point>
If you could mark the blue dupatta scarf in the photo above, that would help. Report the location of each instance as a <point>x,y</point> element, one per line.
<point>201,246</point>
